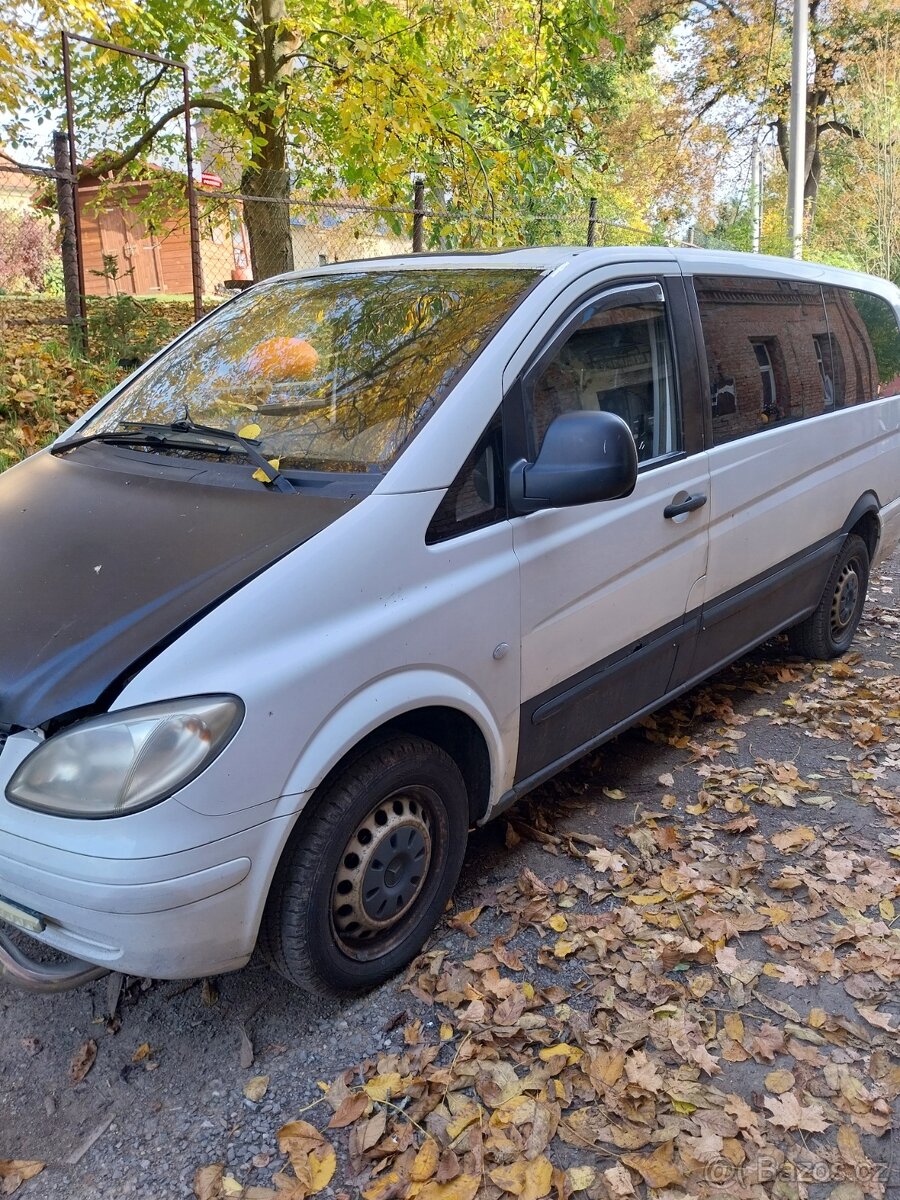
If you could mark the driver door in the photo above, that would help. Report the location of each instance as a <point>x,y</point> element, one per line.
<point>606,588</point>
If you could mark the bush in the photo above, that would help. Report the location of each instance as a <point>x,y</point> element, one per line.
<point>27,251</point>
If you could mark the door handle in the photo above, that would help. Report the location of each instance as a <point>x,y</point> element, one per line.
<point>685,506</point>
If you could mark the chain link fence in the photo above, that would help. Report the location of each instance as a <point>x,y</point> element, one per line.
<point>108,263</point>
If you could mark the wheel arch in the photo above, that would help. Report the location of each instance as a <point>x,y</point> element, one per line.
<point>446,711</point>
<point>864,519</point>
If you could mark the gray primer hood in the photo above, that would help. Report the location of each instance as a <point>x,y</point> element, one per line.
<point>100,568</point>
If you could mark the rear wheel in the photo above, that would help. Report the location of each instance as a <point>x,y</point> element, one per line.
<point>828,632</point>
<point>369,869</point>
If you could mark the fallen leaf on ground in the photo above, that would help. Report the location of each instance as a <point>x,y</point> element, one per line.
<point>256,1088</point>
<point>789,1113</point>
<point>82,1060</point>
<point>15,1171</point>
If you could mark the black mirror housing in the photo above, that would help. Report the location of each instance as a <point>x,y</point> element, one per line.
<point>585,457</point>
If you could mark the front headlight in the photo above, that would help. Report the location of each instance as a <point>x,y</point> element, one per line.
<point>126,760</point>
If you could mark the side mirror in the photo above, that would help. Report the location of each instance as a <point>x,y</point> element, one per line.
<point>586,457</point>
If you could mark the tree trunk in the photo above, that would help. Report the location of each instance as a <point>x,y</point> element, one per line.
<point>268,219</point>
<point>813,163</point>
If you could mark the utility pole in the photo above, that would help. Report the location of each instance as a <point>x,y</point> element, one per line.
<point>797,152</point>
<point>756,193</point>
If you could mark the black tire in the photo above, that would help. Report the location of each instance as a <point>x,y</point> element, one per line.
<point>828,632</point>
<point>403,797</point>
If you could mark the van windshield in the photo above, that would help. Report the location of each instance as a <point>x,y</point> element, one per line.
<point>328,373</point>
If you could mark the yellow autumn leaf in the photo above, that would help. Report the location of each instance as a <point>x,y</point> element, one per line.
<point>558,923</point>
<point>658,1169</point>
<point>382,1087</point>
<point>886,908</point>
<point>231,1187</point>
<point>563,948</point>
<point>734,1026</point>
<point>468,1114</point>
<point>322,1164</point>
<point>527,1180</point>
<point>14,1171</point>
<point>780,1081</point>
<point>528,990</point>
<point>792,839</point>
<point>381,1187</point>
<point>572,1053</point>
<point>142,1052</point>
<point>426,1161</point>
<point>446,1032</point>
<point>250,431</point>
<point>614,793</point>
<point>261,476</point>
<point>467,916</point>
<point>463,1187</point>
<point>580,1178</point>
<point>256,1088</point>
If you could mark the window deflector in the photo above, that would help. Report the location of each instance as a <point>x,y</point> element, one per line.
<point>621,296</point>
<point>614,297</point>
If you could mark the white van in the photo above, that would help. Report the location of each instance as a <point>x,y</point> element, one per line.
<point>374,549</point>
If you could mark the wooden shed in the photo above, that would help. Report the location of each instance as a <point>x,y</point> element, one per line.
<point>150,260</point>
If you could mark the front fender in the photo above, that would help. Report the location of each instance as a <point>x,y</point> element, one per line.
<point>379,702</point>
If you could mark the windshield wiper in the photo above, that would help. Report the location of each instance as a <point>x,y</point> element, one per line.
<point>149,433</point>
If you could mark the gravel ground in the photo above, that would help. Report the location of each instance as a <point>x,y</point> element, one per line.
<point>141,1128</point>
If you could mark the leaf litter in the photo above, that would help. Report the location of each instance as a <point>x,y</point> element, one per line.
<point>592,1033</point>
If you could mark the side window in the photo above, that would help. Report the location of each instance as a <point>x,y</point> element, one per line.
<point>762,351</point>
<point>865,344</point>
<point>618,360</point>
<point>477,495</point>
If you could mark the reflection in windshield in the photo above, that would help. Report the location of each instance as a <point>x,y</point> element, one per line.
<point>336,371</point>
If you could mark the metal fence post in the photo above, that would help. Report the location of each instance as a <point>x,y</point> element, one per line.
<point>418,216</point>
<point>193,218</point>
<point>65,207</point>
<point>592,221</point>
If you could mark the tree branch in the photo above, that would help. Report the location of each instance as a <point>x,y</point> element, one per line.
<point>116,162</point>
<point>722,4</point>
<point>841,127</point>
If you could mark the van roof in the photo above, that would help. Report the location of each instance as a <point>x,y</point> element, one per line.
<point>547,259</point>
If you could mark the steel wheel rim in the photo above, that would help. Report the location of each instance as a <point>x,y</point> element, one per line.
<point>382,873</point>
<point>845,600</point>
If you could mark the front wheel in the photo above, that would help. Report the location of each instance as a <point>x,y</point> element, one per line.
<point>828,632</point>
<point>369,869</point>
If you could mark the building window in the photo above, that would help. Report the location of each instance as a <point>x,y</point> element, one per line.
<point>831,368</point>
<point>771,409</point>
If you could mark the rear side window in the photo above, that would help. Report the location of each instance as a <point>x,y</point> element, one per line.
<point>865,342</point>
<point>767,343</point>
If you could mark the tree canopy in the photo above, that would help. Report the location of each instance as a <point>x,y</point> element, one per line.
<point>523,107</point>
